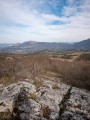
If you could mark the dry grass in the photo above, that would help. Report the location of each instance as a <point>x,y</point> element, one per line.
<point>7,80</point>
<point>18,67</point>
<point>46,111</point>
<point>75,73</point>
<point>38,83</point>
<point>34,97</point>
<point>51,74</point>
<point>55,86</point>
<point>67,56</point>
<point>84,56</point>
<point>5,115</point>
<point>22,66</point>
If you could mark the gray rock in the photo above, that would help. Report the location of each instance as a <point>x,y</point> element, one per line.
<point>77,107</point>
<point>22,105</point>
<point>16,99</point>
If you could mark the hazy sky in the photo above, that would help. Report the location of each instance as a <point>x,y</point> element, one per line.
<point>44,20</point>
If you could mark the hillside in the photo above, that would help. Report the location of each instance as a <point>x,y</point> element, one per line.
<point>32,46</point>
<point>83,45</point>
<point>3,46</point>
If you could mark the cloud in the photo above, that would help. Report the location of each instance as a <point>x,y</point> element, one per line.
<point>22,20</point>
<point>69,11</point>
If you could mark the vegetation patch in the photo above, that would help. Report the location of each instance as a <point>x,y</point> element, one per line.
<point>38,83</point>
<point>84,56</point>
<point>46,111</point>
<point>33,96</point>
<point>55,86</point>
<point>18,67</point>
<point>7,80</point>
<point>6,115</point>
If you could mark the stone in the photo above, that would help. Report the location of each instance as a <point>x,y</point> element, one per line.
<point>52,101</point>
<point>77,107</point>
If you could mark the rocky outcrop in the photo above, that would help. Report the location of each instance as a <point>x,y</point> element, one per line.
<point>9,95</point>
<point>76,106</point>
<point>52,101</point>
<point>21,106</point>
<point>63,104</point>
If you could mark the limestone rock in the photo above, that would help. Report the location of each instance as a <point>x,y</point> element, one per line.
<point>77,107</point>
<point>52,101</point>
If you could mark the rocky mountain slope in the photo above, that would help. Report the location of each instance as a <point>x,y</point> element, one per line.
<point>32,46</point>
<point>52,101</point>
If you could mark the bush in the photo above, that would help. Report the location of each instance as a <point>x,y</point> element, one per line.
<point>84,56</point>
<point>75,73</point>
<point>22,66</point>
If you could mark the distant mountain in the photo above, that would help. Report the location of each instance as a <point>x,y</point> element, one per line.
<point>29,47</point>
<point>4,46</point>
<point>33,46</point>
<point>83,45</point>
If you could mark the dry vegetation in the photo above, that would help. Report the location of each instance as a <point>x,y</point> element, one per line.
<point>84,56</point>
<point>33,96</point>
<point>73,73</point>
<point>46,111</point>
<point>17,67</point>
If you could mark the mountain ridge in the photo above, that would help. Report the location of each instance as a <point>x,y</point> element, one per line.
<point>33,46</point>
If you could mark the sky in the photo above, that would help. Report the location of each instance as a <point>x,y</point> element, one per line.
<point>44,20</point>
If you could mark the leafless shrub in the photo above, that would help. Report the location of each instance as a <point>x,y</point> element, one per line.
<point>84,56</point>
<point>76,73</point>
<point>23,66</point>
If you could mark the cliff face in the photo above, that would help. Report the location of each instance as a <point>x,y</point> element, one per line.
<point>52,101</point>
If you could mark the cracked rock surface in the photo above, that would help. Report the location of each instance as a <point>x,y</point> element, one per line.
<point>52,101</point>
